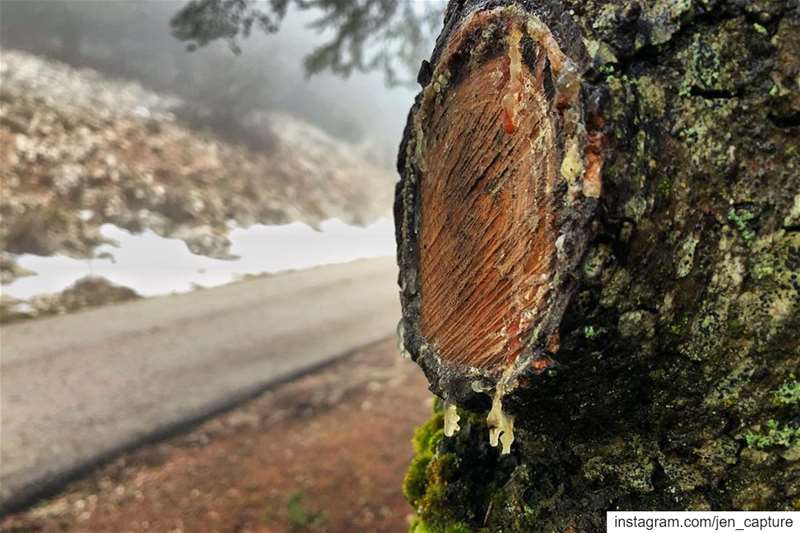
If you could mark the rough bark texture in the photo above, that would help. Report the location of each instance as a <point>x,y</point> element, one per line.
<point>656,365</point>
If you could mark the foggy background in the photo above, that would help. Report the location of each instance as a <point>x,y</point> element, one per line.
<point>132,39</point>
<point>118,136</point>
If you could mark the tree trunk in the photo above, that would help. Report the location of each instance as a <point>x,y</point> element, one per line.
<point>598,225</point>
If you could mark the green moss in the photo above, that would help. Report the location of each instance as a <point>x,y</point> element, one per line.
<point>741,219</point>
<point>524,502</point>
<point>762,271</point>
<point>419,526</point>
<point>458,527</point>
<point>428,435</point>
<point>591,332</point>
<point>426,439</point>
<point>774,435</point>
<point>415,482</point>
<point>606,70</point>
<point>433,502</point>
<point>788,393</point>
<point>425,482</point>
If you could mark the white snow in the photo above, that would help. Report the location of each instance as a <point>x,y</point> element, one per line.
<point>153,265</point>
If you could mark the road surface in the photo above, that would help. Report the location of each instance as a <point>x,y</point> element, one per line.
<point>77,389</point>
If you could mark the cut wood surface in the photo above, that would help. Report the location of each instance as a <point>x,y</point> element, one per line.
<point>501,173</point>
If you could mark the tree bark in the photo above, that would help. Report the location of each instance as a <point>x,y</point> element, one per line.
<point>598,226</point>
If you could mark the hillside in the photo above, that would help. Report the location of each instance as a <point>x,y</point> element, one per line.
<point>80,150</point>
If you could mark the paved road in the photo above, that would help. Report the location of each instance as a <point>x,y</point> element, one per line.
<point>76,389</point>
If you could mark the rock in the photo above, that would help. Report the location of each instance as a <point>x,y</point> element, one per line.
<point>89,291</point>
<point>204,240</point>
<point>10,270</point>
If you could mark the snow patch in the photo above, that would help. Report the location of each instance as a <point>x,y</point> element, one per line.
<point>154,265</point>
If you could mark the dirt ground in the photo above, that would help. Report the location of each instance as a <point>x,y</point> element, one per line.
<point>326,452</point>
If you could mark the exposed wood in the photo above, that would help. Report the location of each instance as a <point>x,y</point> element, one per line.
<point>501,177</point>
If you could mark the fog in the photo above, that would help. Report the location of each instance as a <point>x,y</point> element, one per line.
<point>221,90</point>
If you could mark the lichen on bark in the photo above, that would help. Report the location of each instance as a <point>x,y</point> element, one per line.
<point>683,324</point>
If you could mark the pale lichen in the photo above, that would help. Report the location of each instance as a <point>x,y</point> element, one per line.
<point>793,217</point>
<point>685,256</point>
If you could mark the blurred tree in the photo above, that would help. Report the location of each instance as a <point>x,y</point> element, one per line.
<point>387,35</point>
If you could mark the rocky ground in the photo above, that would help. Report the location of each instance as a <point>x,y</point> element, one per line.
<point>79,150</point>
<point>326,452</point>
<point>90,291</point>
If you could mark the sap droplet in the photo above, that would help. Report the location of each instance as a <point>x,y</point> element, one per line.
<point>451,419</point>
<point>511,99</point>
<point>477,386</point>
<point>501,425</point>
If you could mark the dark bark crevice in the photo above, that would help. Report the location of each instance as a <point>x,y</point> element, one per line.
<point>785,121</point>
